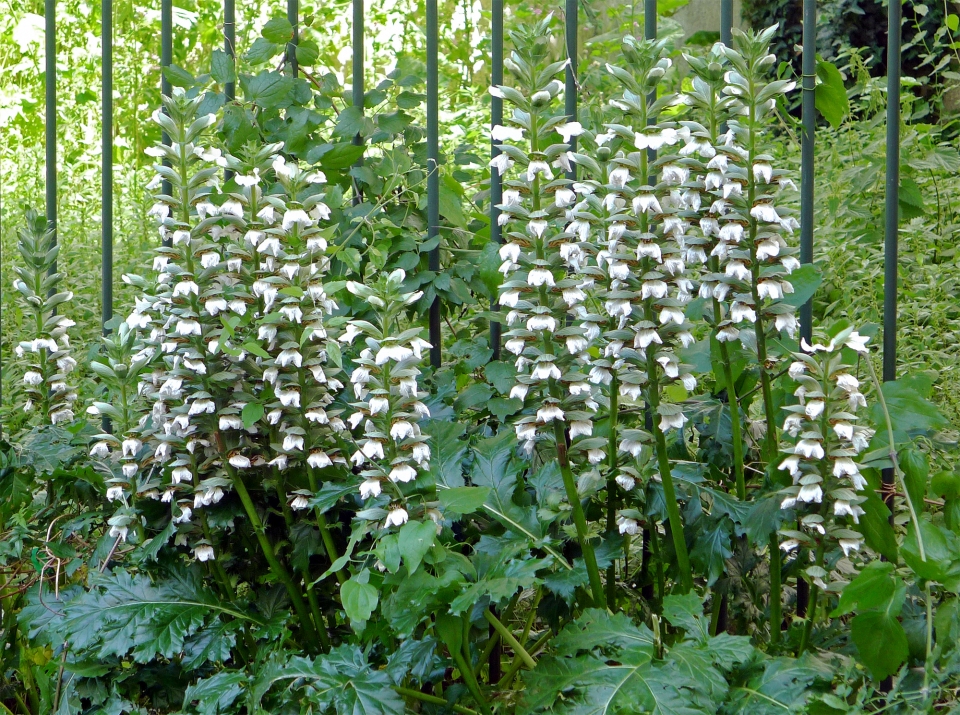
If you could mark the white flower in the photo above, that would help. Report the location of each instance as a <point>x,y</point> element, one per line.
<point>540,276</point>
<point>370,488</point>
<point>542,322</point>
<point>393,352</point>
<point>626,483</point>
<point>762,171</point>
<point>372,449</point>
<point>548,413</point>
<point>770,289</point>
<point>299,502</point>
<point>202,406</point>
<point>539,167</point>
<point>809,448</point>
<point>215,305</point>
<point>396,517</point>
<point>670,313</point>
<point>844,430</point>
<point>100,450</point>
<point>628,526</point>
<point>741,311</point>
<point>119,532</point>
<point>230,422</point>
<point>674,421</point>
<point>188,327</point>
<point>203,552</point>
<point>849,545</point>
<point>814,408</point>
<point>401,429</point>
<point>293,443</point>
<point>810,493</point>
<point>501,163</point>
<point>500,133</point>
<point>765,212</point>
<point>581,428</point>
<point>845,467</point>
<point>32,378</point>
<point>403,473</point>
<point>569,130</point>
<point>845,508</point>
<point>239,461</point>
<point>290,356</point>
<point>115,492</point>
<point>796,369</point>
<point>857,342</point>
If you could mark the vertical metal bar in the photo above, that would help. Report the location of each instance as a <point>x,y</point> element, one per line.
<point>570,90</point>
<point>166,58</point>
<point>50,70</point>
<point>230,42</point>
<point>891,218</point>
<point>809,117</point>
<point>433,169</point>
<point>293,15</point>
<point>496,118</point>
<point>726,22</point>
<point>358,82</point>
<point>650,33</point>
<point>106,213</point>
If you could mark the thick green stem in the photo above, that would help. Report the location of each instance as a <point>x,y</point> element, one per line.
<point>515,666</point>
<point>612,496</point>
<point>325,536</point>
<point>666,478</point>
<point>776,591</point>
<point>274,563</point>
<point>433,700</point>
<point>579,519</point>
<point>812,610</point>
<point>507,636</point>
<point>734,406</point>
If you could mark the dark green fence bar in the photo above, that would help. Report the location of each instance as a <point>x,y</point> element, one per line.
<point>230,41</point>
<point>570,90</point>
<point>50,69</point>
<point>726,22</point>
<point>357,82</point>
<point>496,118</point>
<point>166,58</point>
<point>293,16</point>
<point>433,169</point>
<point>891,218</point>
<point>106,212</point>
<point>807,146</point>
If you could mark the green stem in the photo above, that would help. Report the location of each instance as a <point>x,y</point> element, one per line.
<point>515,665</point>
<point>495,638</point>
<point>433,700</point>
<point>510,638</point>
<point>276,567</point>
<point>928,660</point>
<point>666,477</point>
<point>579,519</point>
<point>812,610</point>
<point>312,601</point>
<point>776,591</point>
<point>466,672</point>
<point>612,496</point>
<point>733,403</point>
<point>325,536</point>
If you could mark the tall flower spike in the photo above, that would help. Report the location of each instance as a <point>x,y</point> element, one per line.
<point>46,379</point>
<point>755,260</point>
<point>646,261</point>
<point>391,451</point>
<point>542,259</point>
<point>826,441</point>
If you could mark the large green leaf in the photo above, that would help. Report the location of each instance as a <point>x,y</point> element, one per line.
<point>127,615</point>
<point>268,89</point>
<point>341,681</point>
<point>463,500</point>
<point>784,686</point>
<point>213,695</point>
<point>805,281</point>
<point>910,410</point>
<point>359,599</point>
<point>414,541</point>
<point>881,642</point>
<point>447,451</point>
<point>830,96</point>
<point>874,587</point>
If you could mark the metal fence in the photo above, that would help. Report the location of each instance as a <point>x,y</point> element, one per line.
<point>571,8</point>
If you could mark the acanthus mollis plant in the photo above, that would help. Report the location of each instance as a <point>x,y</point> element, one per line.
<point>548,328</point>
<point>237,342</point>
<point>748,220</point>
<point>650,265</point>
<point>826,480</point>
<point>46,379</point>
<point>390,452</point>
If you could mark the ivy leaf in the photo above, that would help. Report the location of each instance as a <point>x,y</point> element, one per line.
<point>278,30</point>
<point>222,68</point>
<point>307,53</point>
<point>415,540</point>
<point>830,96</point>
<point>262,51</point>
<point>178,77</point>
<point>463,500</point>
<point>881,642</point>
<point>350,123</point>
<point>359,599</point>
<point>268,89</point>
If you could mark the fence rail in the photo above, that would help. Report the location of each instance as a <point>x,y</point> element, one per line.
<point>496,117</point>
